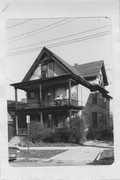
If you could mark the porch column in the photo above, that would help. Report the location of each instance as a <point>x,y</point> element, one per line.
<point>16,124</point>
<point>16,116</point>
<point>41,120</point>
<point>40,93</point>
<point>69,91</point>
<point>16,98</point>
<point>77,94</point>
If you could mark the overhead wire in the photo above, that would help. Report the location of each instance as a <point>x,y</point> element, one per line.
<point>62,37</point>
<point>23,22</point>
<point>43,29</point>
<point>61,43</point>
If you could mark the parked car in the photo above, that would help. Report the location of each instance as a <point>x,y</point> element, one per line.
<point>13,153</point>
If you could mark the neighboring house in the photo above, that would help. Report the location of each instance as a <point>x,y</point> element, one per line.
<point>97,108</point>
<point>56,91</point>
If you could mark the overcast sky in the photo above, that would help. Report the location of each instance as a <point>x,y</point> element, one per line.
<point>76,40</point>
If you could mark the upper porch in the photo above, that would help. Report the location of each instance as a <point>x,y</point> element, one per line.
<point>48,92</point>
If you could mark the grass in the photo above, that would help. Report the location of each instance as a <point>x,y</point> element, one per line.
<point>106,158</point>
<point>43,154</point>
<point>44,144</point>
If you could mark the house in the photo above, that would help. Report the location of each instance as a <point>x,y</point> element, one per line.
<point>56,91</point>
<point>97,108</point>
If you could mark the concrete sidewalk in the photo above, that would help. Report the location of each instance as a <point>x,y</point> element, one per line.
<point>82,155</point>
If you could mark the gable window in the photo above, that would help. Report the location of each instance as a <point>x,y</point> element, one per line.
<point>94,120</point>
<point>50,69</point>
<point>94,98</point>
<point>44,71</point>
<point>31,95</point>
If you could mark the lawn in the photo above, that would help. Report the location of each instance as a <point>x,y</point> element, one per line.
<point>106,158</point>
<point>43,154</point>
<point>44,144</point>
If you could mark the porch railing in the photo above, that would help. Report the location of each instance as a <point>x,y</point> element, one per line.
<point>22,131</point>
<point>63,102</point>
<point>55,102</point>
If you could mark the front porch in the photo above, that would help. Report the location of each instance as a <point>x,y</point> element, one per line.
<point>48,118</point>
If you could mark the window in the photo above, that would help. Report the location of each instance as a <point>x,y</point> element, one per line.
<point>105,119</point>
<point>31,95</point>
<point>104,102</point>
<point>50,69</point>
<point>44,70</point>
<point>100,99</point>
<point>100,116</point>
<point>94,120</point>
<point>94,98</point>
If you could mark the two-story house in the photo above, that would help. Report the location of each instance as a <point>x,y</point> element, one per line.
<point>56,91</point>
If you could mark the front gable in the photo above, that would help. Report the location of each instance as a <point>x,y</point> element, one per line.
<point>45,66</point>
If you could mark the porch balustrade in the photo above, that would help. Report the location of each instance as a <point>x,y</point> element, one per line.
<point>22,131</point>
<point>56,102</point>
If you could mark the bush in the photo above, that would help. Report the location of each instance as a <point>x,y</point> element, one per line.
<point>58,135</point>
<point>11,131</point>
<point>37,133</point>
<point>106,134</point>
<point>73,134</point>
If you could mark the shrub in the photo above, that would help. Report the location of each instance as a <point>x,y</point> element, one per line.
<point>106,134</point>
<point>37,133</point>
<point>58,135</point>
<point>11,131</point>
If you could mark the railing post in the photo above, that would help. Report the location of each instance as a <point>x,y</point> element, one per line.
<point>41,120</point>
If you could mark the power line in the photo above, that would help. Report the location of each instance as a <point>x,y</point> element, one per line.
<point>19,24</point>
<point>61,43</point>
<point>36,30</point>
<point>62,37</point>
<point>40,30</point>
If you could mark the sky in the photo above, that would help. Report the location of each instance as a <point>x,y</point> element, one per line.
<point>76,40</point>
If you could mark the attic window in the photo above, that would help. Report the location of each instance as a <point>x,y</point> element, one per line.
<point>44,70</point>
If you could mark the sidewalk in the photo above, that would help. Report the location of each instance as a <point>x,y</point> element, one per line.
<point>82,155</point>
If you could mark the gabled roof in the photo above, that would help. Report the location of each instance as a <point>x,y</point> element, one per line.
<point>55,57</point>
<point>71,69</point>
<point>91,70</point>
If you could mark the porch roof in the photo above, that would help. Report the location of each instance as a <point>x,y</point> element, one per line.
<point>52,80</point>
<point>49,109</point>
